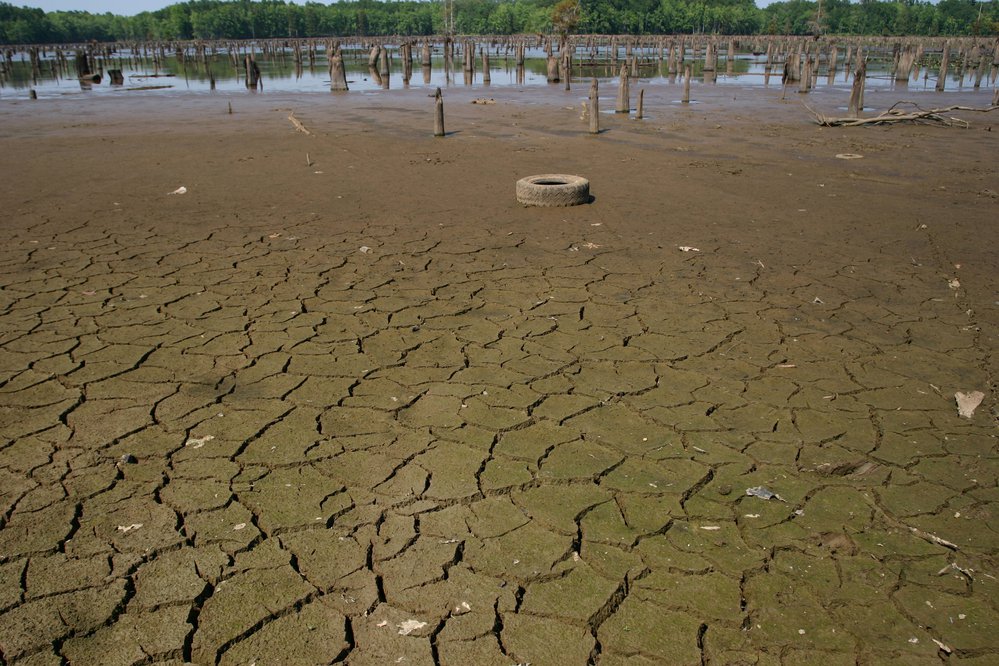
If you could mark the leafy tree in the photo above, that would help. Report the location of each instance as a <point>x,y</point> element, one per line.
<point>565,17</point>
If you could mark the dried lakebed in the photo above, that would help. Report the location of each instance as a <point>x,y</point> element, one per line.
<point>496,435</point>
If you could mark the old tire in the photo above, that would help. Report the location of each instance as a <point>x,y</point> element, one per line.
<point>553,190</point>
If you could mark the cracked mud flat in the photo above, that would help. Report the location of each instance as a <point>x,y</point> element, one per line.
<point>499,435</point>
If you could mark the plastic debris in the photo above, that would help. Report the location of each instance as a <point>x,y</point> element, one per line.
<point>763,493</point>
<point>409,626</point>
<point>364,249</point>
<point>128,528</point>
<point>967,403</point>
<point>382,623</point>
<point>464,607</point>
<point>710,528</point>
<point>179,190</point>
<point>198,442</point>
<point>238,526</point>
<point>687,248</point>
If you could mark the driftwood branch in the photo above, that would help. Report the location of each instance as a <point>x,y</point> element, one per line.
<point>298,125</point>
<point>896,115</point>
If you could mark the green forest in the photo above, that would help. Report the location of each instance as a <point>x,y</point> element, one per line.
<point>246,19</point>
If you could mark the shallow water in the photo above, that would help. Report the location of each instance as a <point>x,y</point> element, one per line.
<point>280,73</point>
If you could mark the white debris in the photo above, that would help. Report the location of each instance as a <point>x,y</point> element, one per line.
<point>128,528</point>
<point>752,515</point>
<point>364,249</point>
<point>943,647</point>
<point>968,402</point>
<point>409,626</point>
<point>198,442</point>
<point>238,526</point>
<point>687,248</point>
<point>763,493</point>
<point>382,623</point>
<point>464,607</point>
<point>848,156</point>
<point>179,190</point>
<point>954,283</point>
<point>710,528</point>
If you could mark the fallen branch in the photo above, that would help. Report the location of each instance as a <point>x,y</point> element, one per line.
<point>298,124</point>
<point>894,115</point>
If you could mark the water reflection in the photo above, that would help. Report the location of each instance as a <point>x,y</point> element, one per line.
<point>284,70</point>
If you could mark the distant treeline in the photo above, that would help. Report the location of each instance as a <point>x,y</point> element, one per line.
<point>245,19</point>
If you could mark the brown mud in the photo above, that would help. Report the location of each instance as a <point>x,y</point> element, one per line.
<point>345,400</point>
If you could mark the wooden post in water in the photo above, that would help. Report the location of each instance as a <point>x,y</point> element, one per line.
<point>903,68</point>
<point>252,72</point>
<point>438,114</point>
<point>407,62</point>
<point>641,104</point>
<point>338,75</point>
<point>806,76</point>
<point>425,55</point>
<point>857,92</point>
<point>594,107</point>
<point>486,77</point>
<point>709,56</point>
<point>383,69</point>
<point>552,69</point>
<point>686,84</point>
<point>944,61</point>
<point>373,56</point>
<point>623,93</point>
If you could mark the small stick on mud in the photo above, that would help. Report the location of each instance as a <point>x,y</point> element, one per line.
<point>933,538</point>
